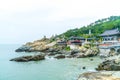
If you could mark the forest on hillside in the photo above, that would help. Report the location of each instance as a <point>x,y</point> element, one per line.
<point>96,27</point>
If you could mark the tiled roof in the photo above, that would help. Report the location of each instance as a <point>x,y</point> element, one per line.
<point>110,32</point>
<point>76,37</point>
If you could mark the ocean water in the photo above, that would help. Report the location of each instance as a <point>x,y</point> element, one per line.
<point>49,69</point>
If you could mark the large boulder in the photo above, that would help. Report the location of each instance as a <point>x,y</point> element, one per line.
<point>23,48</point>
<point>29,58</point>
<point>112,52</point>
<point>96,76</point>
<point>109,65</point>
<point>88,52</point>
<point>59,56</point>
<point>118,51</point>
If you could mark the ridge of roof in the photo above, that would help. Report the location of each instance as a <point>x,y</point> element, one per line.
<point>110,32</point>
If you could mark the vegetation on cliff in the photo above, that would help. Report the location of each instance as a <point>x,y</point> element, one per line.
<point>96,28</point>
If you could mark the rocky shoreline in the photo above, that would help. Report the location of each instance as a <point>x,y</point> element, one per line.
<point>97,76</point>
<point>61,54</point>
<point>52,49</point>
<point>110,64</point>
<point>29,58</point>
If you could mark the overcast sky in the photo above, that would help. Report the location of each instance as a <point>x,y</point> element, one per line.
<point>27,20</point>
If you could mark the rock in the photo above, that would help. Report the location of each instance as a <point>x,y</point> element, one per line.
<point>89,53</point>
<point>59,56</point>
<point>117,61</point>
<point>112,52</point>
<point>91,59</point>
<point>104,53</point>
<point>109,65</point>
<point>83,67</point>
<point>51,54</point>
<point>79,55</point>
<point>29,58</point>
<point>83,49</point>
<point>52,50</point>
<point>36,46</point>
<point>103,56</point>
<point>69,56</point>
<point>96,76</point>
<point>60,52</point>
<point>118,51</point>
<point>92,52</point>
<point>74,52</point>
<point>23,48</point>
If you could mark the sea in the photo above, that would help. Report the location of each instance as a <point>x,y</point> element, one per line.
<point>48,69</point>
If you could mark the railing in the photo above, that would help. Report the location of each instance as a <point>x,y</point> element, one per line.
<point>109,45</point>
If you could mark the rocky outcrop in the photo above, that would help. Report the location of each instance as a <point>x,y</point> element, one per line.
<point>90,52</point>
<point>58,51</point>
<point>105,53</point>
<point>36,46</point>
<point>111,63</point>
<point>29,58</point>
<point>97,76</point>
<point>23,48</point>
<point>75,53</point>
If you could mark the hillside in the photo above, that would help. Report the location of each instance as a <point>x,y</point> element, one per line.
<point>96,28</point>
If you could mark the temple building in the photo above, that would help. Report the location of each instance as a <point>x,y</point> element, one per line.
<point>76,40</point>
<point>111,35</point>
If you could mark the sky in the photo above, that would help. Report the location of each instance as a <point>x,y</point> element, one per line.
<point>22,21</point>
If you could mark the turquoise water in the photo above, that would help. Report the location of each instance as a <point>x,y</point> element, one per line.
<point>49,69</point>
